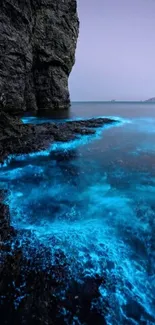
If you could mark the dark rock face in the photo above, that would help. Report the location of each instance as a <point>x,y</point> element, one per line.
<point>37,51</point>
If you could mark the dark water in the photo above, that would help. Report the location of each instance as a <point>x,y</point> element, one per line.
<point>94,198</point>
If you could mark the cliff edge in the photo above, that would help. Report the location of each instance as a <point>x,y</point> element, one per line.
<point>37,52</point>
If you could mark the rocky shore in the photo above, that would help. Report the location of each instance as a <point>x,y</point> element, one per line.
<point>19,138</point>
<point>34,291</point>
<point>30,287</point>
<point>37,52</point>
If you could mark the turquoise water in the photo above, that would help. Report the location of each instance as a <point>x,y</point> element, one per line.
<point>93,199</point>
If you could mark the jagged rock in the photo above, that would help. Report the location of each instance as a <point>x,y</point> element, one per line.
<point>9,126</point>
<point>37,51</point>
<point>19,138</point>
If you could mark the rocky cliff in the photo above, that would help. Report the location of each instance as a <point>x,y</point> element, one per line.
<point>37,51</point>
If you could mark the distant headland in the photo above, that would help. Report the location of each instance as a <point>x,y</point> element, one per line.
<point>150,100</point>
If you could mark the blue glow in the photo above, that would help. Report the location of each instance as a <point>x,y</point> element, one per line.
<point>98,209</point>
<point>81,140</point>
<point>41,120</point>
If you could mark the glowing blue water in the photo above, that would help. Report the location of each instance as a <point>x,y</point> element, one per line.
<point>94,199</point>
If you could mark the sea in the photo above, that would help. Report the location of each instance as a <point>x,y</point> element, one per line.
<point>93,198</point>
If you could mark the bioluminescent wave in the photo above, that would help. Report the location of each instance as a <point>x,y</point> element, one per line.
<point>95,202</point>
<point>79,141</point>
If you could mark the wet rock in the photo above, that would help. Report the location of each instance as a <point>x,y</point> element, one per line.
<point>36,291</point>
<point>37,51</point>
<point>19,138</point>
<point>81,302</point>
<point>31,288</point>
<point>35,294</point>
<point>4,223</point>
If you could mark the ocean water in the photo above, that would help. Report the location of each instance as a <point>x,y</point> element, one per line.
<point>94,199</point>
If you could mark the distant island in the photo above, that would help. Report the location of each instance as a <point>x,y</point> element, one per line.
<point>151,100</point>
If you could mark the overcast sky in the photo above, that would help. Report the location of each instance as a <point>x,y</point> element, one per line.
<point>115,56</point>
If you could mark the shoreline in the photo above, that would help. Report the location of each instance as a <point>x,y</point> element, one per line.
<point>46,281</point>
<point>29,286</point>
<point>17,138</point>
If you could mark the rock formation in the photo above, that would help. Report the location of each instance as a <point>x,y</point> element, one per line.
<point>37,51</point>
<point>18,138</point>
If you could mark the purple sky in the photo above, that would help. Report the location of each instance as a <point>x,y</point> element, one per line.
<point>115,57</point>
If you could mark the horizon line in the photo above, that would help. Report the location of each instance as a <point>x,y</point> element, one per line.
<point>112,101</point>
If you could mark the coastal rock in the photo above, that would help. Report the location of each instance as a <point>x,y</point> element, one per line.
<point>37,52</point>
<point>34,290</point>
<point>31,287</point>
<point>18,138</point>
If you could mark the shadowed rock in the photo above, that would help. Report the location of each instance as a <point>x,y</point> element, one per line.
<point>37,51</point>
<point>19,138</point>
